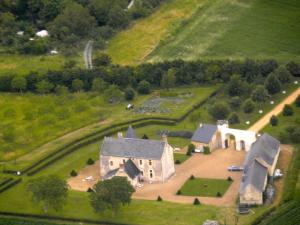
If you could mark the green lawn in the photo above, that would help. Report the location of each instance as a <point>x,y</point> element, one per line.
<point>180,157</point>
<point>230,29</point>
<point>205,187</point>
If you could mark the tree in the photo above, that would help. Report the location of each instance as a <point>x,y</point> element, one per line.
<point>272,84</point>
<point>274,121</point>
<point>111,194</point>
<point>113,94</point>
<point>260,94</point>
<point>287,110</point>
<point>51,190</point>
<point>118,18</point>
<point>44,87</point>
<point>144,87</point>
<point>77,85</point>
<point>98,85</point>
<point>168,79</point>
<point>206,150</point>
<point>235,102</point>
<point>248,106</point>
<point>191,149</point>
<point>294,68</point>
<point>297,102</point>
<point>283,75</point>
<point>61,90</point>
<point>233,118</point>
<point>236,87</point>
<point>129,94</point>
<point>219,111</point>
<point>19,83</point>
<point>102,60</point>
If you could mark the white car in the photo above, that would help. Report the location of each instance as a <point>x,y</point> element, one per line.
<point>277,173</point>
<point>235,168</point>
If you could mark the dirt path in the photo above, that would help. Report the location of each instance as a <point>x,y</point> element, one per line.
<point>87,55</point>
<point>266,118</point>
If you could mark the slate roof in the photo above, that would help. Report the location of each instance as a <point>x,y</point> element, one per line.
<point>255,176</point>
<point>131,169</point>
<point>130,133</point>
<point>266,148</point>
<point>133,148</point>
<point>204,133</point>
<point>110,174</point>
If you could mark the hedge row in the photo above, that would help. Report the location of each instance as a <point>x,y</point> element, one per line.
<point>57,218</point>
<point>5,181</point>
<point>107,131</point>
<point>10,185</point>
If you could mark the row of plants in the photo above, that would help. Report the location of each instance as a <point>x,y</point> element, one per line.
<point>10,184</point>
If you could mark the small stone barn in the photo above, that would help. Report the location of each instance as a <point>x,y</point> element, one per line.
<point>206,135</point>
<point>260,162</point>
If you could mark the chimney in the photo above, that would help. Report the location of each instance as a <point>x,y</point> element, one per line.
<point>120,135</point>
<point>164,138</point>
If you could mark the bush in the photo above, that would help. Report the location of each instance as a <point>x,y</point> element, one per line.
<point>191,149</point>
<point>144,87</point>
<point>159,199</point>
<point>192,177</point>
<point>260,94</point>
<point>129,94</point>
<point>233,118</point>
<point>248,106</point>
<point>283,75</point>
<point>294,68</point>
<point>219,111</point>
<point>178,192</point>
<point>89,190</point>
<point>229,179</point>
<point>274,120</point>
<point>235,102</point>
<point>219,194</point>
<point>297,102</point>
<point>196,201</point>
<point>272,84</point>
<point>73,173</point>
<point>206,150</point>
<point>177,161</point>
<point>287,110</point>
<point>145,136</point>
<point>90,161</point>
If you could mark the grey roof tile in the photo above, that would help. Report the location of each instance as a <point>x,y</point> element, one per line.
<point>133,148</point>
<point>204,133</point>
<point>131,169</point>
<point>130,133</point>
<point>110,174</point>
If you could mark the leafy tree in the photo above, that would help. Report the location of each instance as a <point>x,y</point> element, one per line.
<point>70,64</point>
<point>98,85</point>
<point>118,18</point>
<point>102,60</point>
<point>129,94</point>
<point>233,118</point>
<point>260,94</point>
<point>19,83</point>
<point>168,79</point>
<point>283,75</point>
<point>144,87</point>
<point>248,106</point>
<point>267,67</point>
<point>294,68</point>
<point>272,84</point>
<point>44,87</point>
<point>111,194</point>
<point>191,149</point>
<point>274,120</point>
<point>77,85</point>
<point>287,110</point>
<point>235,102</point>
<point>61,90</point>
<point>7,28</point>
<point>51,190</point>
<point>236,87</point>
<point>219,111</point>
<point>113,94</point>
<point>36,47</point>
<point>297,102</point>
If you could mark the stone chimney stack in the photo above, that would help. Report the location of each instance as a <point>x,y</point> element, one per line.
<point>164,138</point>
<point>120,135</point>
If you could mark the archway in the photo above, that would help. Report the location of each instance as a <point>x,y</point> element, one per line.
<point>230,141</point>
<point>242,145</point>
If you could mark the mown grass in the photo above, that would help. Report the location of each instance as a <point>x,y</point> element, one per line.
<point>205,187</point>
<point>180,157</point>
<point>134,44</point>
<point>233,29</point>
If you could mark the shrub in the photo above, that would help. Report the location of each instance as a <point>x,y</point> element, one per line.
<point>145,136</point>
<point>219,194</point>
<point>233,118</point>
<point>177,161</point>
<point>90,161</point>
<point>129,94</point>
<point>274,120</point>
<point>297,102</point>
<point>89,190</point>
<point>294,68</point>
<point>272,84</point>
<point>196,201</point>
<point>235,102</point>
<point>219,111</point>
<point>229,179</point>
<point>283,75</point>
<point>248,106</point>
<point>206,150</point>
<point>73,173</point>
<point>191,149</point>
<point>260,94</point>
<point>287,110</point>
<point>159,199</point>
<point>178,192</point>
<point>144,87</point>
<point>192,177</point>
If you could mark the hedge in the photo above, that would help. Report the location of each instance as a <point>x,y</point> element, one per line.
<point>5,181</point>
<point>64,219</point>
<point>10,185</point>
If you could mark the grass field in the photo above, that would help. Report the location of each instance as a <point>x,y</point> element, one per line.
<point>205,187</point>
<point>219,29</point>
<point>180,157</point>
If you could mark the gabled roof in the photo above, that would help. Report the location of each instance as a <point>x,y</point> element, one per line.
<point>133,148</point>
<point>204,133</point>
<point>131,169</point>
<point>266,148</point>
<point>255,176</point>
<point>111,173</point>
<point>130,133</point>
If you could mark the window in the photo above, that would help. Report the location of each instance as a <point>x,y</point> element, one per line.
<point>151,174</point>
<point>142,172</point>
<point>111,163</point>
<point>150,162</point>
<point>141,162</point>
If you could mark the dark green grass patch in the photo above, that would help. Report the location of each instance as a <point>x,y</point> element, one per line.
<point>180,157</point>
